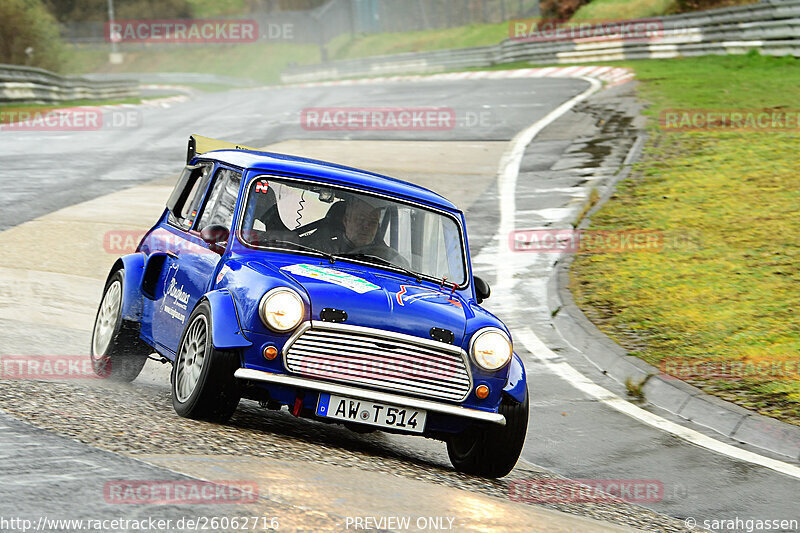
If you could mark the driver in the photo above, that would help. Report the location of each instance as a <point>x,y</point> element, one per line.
<point>361,221</point>
<point>358,233</point>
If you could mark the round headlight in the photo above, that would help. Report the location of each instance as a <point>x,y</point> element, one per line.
<point>281,309</point>
<point>491,348</point>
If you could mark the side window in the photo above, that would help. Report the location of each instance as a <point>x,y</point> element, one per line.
<point>188,194</point>
<point>221,200</point>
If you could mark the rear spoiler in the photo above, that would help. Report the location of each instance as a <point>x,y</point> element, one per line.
<point>199,145</point>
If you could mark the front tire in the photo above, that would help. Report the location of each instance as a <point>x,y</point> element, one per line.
<point>117,352</point>
<point>203,384</point>
<point>492,451</point>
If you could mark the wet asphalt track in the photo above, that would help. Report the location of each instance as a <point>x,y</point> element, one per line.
<point>73,167</point>
<point>569,434</point>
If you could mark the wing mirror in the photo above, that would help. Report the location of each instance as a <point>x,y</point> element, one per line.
<point>215,236</point>
<point>482,289</point>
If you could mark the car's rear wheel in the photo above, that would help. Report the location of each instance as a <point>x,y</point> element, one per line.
<point>203,384</point>
<point>492,451</point>
<point>117,352</point>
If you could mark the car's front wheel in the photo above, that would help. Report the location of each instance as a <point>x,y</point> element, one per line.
<point>203,384</point>
<point>492,451</point>
<point>117,352</point>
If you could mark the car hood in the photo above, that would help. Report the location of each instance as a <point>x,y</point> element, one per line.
<point>378,299</point>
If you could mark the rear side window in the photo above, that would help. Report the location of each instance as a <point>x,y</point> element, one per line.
<point>221,200</point>
<point>185,200</point>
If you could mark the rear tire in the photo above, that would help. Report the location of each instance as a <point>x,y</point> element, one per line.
<point>117,352</point>
<point>203,384</point>
<point>492,451</point>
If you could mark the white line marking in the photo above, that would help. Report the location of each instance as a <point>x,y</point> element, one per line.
<point>507,183</point>
<point>565,371</point>
<point>507,178</point>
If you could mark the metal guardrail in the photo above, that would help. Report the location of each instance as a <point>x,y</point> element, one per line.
<point>34,85</point>
<point>175,78</point>
<point>772,26</point>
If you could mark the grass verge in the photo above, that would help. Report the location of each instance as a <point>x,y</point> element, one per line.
<point>623,9</point>
<point>721,310</point>
<point>260,61</point>
<point>264,62</point>
<point>7,109</point>
<point>632,9</point>
<point>344,47</point>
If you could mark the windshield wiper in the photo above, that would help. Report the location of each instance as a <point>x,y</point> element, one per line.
<point>382,261</point>
<point>303,247</point>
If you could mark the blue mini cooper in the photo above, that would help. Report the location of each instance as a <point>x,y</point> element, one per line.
<point>345,295</point>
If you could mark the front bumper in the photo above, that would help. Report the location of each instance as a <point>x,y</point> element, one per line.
<point>366,394</point>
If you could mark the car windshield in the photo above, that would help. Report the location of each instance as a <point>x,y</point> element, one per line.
<point>345,224</point>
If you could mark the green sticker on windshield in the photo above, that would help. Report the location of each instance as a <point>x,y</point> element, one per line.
<point>329,275</point>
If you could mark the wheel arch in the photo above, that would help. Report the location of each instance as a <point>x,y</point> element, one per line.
<point>226,329</point>
<point>132,267</point>
<point>517,385</point>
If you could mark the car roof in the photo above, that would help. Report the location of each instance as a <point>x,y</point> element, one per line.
<point>328,172</point>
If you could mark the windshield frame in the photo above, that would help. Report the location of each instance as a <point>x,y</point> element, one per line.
<point>248,184</point>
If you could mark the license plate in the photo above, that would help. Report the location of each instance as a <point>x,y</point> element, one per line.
<point>371,413</point>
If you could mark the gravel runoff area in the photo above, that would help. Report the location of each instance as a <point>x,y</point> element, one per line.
<point>139,420</point>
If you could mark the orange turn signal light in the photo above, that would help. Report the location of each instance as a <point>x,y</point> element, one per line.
<point>270,353</point>
<point>482,392</point>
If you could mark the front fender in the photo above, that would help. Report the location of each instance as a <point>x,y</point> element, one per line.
<point>226,331</point>
<point>133,269</point>
<point>517,381</point>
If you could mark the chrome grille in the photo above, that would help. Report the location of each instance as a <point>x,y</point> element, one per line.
<point>379,359</point>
